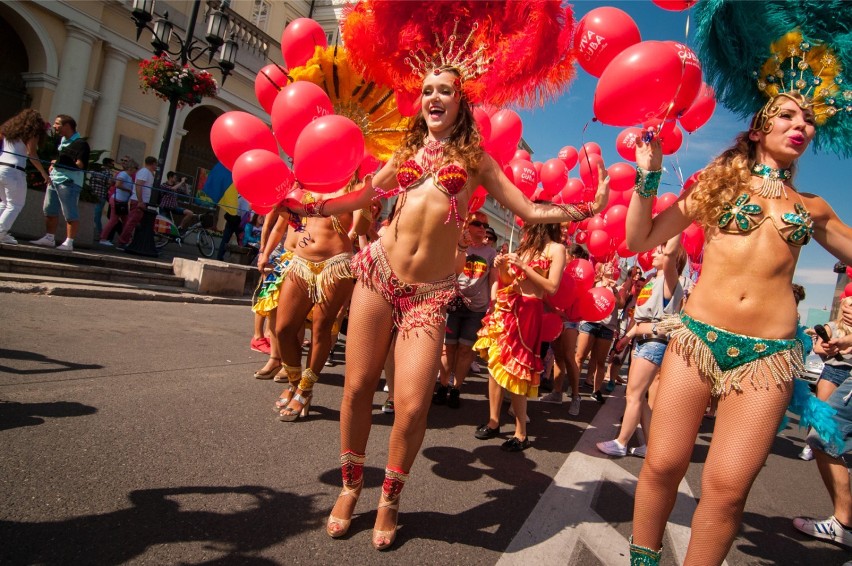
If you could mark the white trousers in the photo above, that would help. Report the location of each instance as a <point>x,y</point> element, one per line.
<point>13,194</point>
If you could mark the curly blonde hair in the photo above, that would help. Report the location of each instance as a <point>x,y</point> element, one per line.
<point>728,175</point>
<point>464,144</point>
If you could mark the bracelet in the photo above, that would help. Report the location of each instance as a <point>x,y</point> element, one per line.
<point>316,208</point>
<point>576,212</point>
<point>647,182</point>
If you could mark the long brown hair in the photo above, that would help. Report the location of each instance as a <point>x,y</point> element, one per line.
<point>463,145</point>
<point>24,126</point>
<point>535,236</point>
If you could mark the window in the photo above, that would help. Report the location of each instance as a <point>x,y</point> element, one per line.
<point>260,13</point>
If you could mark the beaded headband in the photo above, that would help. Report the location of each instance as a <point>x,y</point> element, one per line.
<point>467,60</point>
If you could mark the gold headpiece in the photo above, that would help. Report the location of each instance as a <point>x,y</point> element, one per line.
<point>469,64</point>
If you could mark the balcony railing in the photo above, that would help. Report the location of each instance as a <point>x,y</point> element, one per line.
<point>254,43</point>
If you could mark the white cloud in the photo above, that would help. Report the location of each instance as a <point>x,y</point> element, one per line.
<point>811,276</point>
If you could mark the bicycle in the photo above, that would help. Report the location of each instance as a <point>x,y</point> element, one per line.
<point>166,230</point>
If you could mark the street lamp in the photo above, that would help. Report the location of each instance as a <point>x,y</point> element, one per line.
<point>188,53</point>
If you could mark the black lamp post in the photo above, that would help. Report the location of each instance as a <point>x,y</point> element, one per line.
<point>189,52</point>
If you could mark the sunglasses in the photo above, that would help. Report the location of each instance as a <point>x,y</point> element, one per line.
<point>478,224</point>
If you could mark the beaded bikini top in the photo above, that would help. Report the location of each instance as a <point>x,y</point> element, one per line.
<point>450,178</point>
<point>796,227</point>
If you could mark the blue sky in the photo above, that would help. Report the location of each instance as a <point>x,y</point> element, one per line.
<point>562,123</point>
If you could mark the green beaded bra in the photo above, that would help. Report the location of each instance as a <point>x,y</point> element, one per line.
<point>743,216</point>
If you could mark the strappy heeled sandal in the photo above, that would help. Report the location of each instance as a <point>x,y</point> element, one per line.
<point>303,396</point>
<point>383,540</point>
<point>342,525</point>
<point>270,373</point>
<point>285,398</point>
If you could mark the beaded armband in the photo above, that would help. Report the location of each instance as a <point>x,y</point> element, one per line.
<point>315,208</point>
<point>647,182</point>
<point>576,212</point>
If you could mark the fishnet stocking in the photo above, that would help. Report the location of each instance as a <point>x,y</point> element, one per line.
<point>746,424</point>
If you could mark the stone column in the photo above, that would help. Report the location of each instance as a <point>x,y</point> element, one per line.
<point>73,71</point>
<point>105,115</point>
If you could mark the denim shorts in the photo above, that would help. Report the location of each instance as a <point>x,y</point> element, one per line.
<point>568,325</point>
<point>651,351</point>
<point>462,326</point>
<point>597,330</point>
<point>840,401</point>
<point>64,195</point>
<point>835,374</point>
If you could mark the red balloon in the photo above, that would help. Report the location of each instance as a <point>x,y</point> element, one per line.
<point>522,154</point>
<point>408,103</point>
<point>519,221</point>
<point>664,201</point>
<point>624,251</point>
<point>299,40</point>
<point>589,170</point>
<point>551,326</point>
<point>687,185</point>
<point>569,155</point>
<point>690,82</point>
<point>573,191</point>
<point>625,143</point>
<point>523,175</point>
<point>262,178</point>
<point>600,244</point>
<point>475,203</point>
<point>582,272</point>
<point>553,176</point>
<point>582,237</point>
<point>328,152</point>
<point>848,289</point>
<point>848,271</point>
<point>566,293</point>
<point>268,83</point>
<point>693,240</point>
<point>261,210</point>
<point>623,197</point>
<point>538,165</point>
<point>234,133</point>
<point>591,147</point>
<point>646,260</point>
<point>700,111</point>
<point>671,141</point>
<point>596,222</point>
<point>596,304</point>
<point>638,84</point>
<point>622,176</point>
<point>294,108</point>
<point>483,122</point>
<point>506,131</point>
<point>616,217</point>
<point>602,34</point>
<point>368,165</point>
<point>674,5</point>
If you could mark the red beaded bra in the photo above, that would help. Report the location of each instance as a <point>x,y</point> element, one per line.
<point>450,178</point>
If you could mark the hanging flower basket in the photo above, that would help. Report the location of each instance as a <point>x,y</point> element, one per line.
<point>166,78</point>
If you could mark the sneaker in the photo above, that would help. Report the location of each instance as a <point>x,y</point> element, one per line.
<point>807,454</point>
<point>387,408</point>
<point>8,239</point>
<point>574,407</point>
<point>512,414</point>
<point>828,529</point>
<point>515,444</point>
<point>610,386</point>
<point>106,243</point>
<point>260,345</point>
<point>612,448</point>
<point>454,401</point>
<point>474,367</point>
<point>440,396</point>
<point>554,397</point>
<point>47,241</point>
<point>66,246</point>
<point>638,451</point>
<point>485,433</point>
<point>598,396</point>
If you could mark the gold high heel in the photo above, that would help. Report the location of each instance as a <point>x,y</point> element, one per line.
<point>352,468</point>
<point>306,386</point>
<point>391,489</point>
<point>270,373</point>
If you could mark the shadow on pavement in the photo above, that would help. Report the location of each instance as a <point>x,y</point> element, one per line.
<point>157,518</point>
<point>42,359</point>
<point>774,540</point>
<point>14,414</point>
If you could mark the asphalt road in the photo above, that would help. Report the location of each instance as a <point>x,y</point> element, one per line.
<point>133,432</point>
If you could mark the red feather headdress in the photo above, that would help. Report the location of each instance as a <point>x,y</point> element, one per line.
<point>507,51</point>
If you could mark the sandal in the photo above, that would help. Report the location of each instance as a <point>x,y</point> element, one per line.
<point>352,468</point>
<point>303,395</point>
<point>270,373</point>
<point>391,490</point>
<point>285,398</point>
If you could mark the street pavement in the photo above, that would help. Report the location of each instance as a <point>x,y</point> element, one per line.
<point>134,432</point>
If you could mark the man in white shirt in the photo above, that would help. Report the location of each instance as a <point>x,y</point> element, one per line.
<point>139,199</point>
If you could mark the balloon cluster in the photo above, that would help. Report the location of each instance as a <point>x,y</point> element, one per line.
<point>326,149</point>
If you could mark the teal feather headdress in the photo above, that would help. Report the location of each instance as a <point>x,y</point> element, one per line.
<point>752,51</point>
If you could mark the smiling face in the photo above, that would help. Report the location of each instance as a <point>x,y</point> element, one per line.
<point>789,135</point>
<point>440,101</point>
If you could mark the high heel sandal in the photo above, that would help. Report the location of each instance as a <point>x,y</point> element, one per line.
<point>306,386</point>
<point>391,489</point>
<point>270,373</point>
<point>352,466</point>
<point>285,398</point>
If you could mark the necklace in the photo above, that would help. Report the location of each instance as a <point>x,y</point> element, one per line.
<point>773,180</point>
<point>433,154</point>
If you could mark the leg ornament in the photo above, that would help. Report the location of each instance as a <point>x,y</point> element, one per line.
<point>391,490</point>
<point>306,386</point>
<point>352,469</point>
<point>642,556</point>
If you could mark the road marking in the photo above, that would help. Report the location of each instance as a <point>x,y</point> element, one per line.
<point>564,516</point>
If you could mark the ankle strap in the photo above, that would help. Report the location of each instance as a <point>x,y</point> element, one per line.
<point>293,372</point>
<point>393,484</point>
<point>643,556</point>
<point>308,380</point>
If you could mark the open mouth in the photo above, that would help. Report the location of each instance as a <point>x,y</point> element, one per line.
<point>436,112</point>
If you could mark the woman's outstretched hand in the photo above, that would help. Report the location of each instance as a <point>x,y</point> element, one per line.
<point>602,194</point>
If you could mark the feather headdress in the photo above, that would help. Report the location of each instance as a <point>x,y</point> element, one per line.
<point>509,51</point>
<point>372,107</point>
<point>752,51</point>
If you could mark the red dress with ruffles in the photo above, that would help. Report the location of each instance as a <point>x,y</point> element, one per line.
<point>510,337</point>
